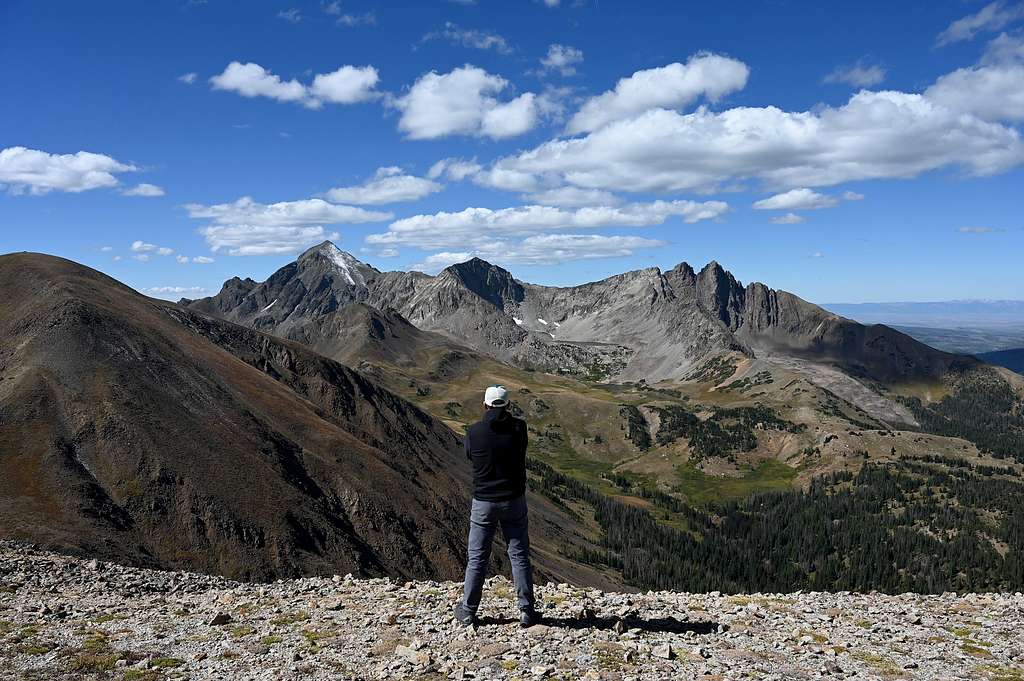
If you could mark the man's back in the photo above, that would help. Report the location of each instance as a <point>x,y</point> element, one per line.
<point>497,447</point>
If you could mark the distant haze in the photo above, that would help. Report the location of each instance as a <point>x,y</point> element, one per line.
<point>945,314</point>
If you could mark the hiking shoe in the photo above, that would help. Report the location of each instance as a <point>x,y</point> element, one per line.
<point>464,616</point>
<point>528,618</point>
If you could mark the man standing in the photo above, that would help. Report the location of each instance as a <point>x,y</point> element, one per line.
<point>496,446</point>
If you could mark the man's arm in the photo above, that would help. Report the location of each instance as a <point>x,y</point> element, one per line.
<point>465,441</point>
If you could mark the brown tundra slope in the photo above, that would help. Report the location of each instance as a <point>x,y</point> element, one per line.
<point>134,430</point>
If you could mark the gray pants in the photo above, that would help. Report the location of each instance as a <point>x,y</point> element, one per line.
<point>484,519</point>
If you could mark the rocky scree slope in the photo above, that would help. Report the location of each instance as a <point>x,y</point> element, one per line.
<point>68,618</point>
<point>643,324</point>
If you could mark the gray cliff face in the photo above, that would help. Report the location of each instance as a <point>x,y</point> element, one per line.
<point>641,324</point>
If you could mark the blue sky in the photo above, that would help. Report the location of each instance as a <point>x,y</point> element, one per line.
<point>843,151</point>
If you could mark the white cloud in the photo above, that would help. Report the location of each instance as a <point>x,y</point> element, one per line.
<point>671,86</point>
<point>455,169</point>
<point>852,196</point>
<point>252,80</point>
<point>562,58</point>
<point>463,102</point>
<point>117,258</point>
<point>175,292</point>
<point>366,18</point>
<point>40,172</point>
<point>140,246</point>
<point>977,230</point>
<point>202,260</point>
<point>388,185</point>
<point>787,219</point>
<point>572,197</point>
<point>144,189</point>
<point>292,15</point>
<point>993,89</point>
<point>246,227</point>
<point>817,254</point>
<point>874,135</point>
<point>542,249</point>
<point>992,17</point>
<point>857,75</point>
<point>550,249</point>
<point>438,261</point>
<point>473,225</point>
<point>510,119</point>
<point>182,259</point>
<point>106,249</point>
<point>469,37</point>
<point>141,257</point>
<point>188,78</point>
<point>797,199</point>
<point>387,253</point>
<point>346,85</point>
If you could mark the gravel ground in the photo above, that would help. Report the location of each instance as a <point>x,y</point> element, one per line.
<point>66,618</point>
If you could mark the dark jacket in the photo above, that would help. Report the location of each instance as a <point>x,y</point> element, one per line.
<point>497,447</point>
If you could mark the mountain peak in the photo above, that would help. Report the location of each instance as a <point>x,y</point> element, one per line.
<point>490,282</point>
<point>352,270</point>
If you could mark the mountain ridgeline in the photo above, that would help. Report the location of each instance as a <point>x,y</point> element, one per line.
<point>646,324</point>
<point>680,422</point>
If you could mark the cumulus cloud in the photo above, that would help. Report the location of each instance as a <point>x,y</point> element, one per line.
<point>857,75</point>
<point>787,219</point>
<point>175,292</point>
<point>470,37</point>
<point>40,172</point>
<point>468,227</point>
<point>455,169</point>
<point>672,86</point>
<point>144,189</point>
<point>797,199</point>
<point>570,197</point>
<point>993,89</point>
<point>438,261</point>
<point>292,15</point>
<point>346,85</point>
<point>464,102</point>
<point>246,227</point>
<point>852,196</point>
<point>388,185</point>
<point>141,257</point>
<point>992,17</point>
<point>874,135</point>
<point>188,78</point>
<point>562,58</point>
<point>202,260</point>
<point>977,230</point>
<point>542,249</point>
<point>140,246</point>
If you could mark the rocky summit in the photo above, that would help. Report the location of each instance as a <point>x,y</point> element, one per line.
<point>63,617</point>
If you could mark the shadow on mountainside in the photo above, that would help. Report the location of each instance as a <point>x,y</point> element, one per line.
<point>658,625</point>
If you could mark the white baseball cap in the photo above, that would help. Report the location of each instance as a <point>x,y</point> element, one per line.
<point>496,396</point>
